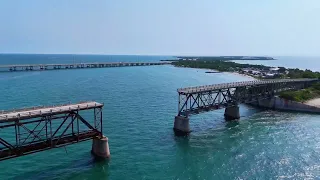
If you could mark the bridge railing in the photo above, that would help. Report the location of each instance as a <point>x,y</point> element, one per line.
<point>41,107</point>
<point>238,84</point>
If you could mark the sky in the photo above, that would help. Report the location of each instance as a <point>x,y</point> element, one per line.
<point>161,27</point>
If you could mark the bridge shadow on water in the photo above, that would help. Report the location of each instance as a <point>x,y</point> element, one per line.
<point>70,170</point>
<point>211,129</point>
<point>215,120</point>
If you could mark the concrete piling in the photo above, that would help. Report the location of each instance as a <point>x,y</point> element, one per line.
<point>181,125</point>
<point>100,147</point>
<point>232,113</point>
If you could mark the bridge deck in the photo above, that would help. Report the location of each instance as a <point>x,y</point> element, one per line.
<point>42,67</point>
<point>7,116</point>
<point>199,89</point>
<point>84,64</point>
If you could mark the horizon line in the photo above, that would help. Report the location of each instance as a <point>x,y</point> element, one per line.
<point>98,54</point>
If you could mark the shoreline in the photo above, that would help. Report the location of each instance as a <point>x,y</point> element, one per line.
<point>243,75</point>
<point>313,102</point>
<point>216,71</point>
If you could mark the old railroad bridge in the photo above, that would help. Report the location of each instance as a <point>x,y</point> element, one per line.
<point>35,129</point>
<point>193,100</point>
<point>37,67</point>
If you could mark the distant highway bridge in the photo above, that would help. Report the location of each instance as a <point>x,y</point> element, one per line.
<point>193,100</point>
<point>37,67</point>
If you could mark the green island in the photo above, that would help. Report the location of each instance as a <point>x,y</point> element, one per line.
<point>259,72</point>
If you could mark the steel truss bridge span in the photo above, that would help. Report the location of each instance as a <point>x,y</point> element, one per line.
<point>193,100</point>
<point>30,130</point>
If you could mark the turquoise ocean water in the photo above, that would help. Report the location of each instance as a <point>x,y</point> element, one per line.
<point>140,105</point>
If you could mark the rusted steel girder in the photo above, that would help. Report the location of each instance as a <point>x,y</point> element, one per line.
<point>27,136</point>
<point>194,100</point>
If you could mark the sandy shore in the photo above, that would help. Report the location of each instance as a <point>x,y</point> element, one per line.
<point>243,75</point>
<point>313,102</point>
<point>213,70</point>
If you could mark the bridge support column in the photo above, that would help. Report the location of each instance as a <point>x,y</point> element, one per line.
<point>181,125</point>
<point>232,113</point>
<point>100,147</point>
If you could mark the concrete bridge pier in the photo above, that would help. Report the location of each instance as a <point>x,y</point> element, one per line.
<point>232,113</point>
<point>181,126</point>
<point>100,147</point>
